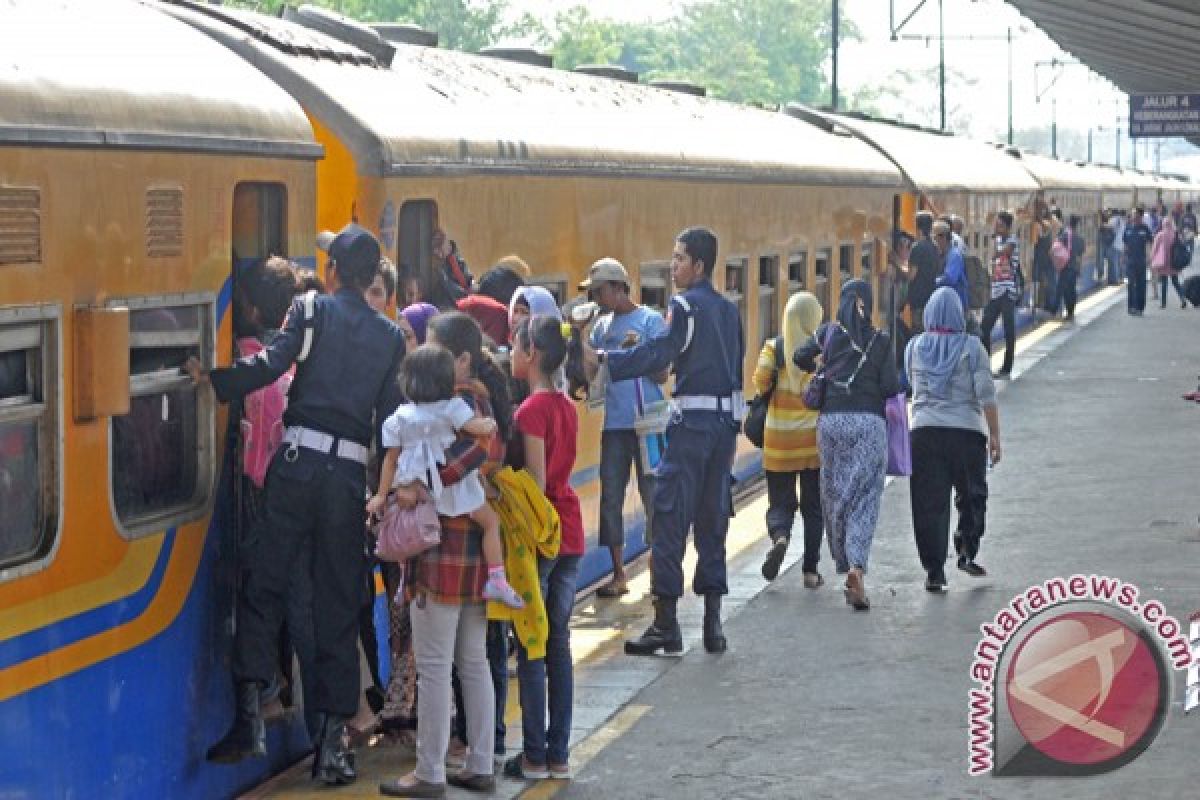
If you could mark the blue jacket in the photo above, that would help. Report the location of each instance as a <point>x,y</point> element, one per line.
<point>955,275</point>
<point>348,380</point>
<point>703,340</point>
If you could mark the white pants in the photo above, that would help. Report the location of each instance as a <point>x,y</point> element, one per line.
<point>445,635</point>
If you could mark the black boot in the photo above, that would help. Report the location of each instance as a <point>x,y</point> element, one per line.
<point>714,637</point>
<point>247,738</point>
<point>333,761</point>
<point>662,634</point>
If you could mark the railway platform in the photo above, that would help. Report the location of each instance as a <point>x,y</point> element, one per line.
<point>813,700</point>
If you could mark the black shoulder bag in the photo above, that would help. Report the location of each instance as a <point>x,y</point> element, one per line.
<point>755,423</point>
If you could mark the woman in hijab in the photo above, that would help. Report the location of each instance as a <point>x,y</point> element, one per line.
<point>418,316</point>
<point>1161,262</point>
<point>955,427</point>
<point>851,431</point>
<point>790,442</point>
<point>531,301</point>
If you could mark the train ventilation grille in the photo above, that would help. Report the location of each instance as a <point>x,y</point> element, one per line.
<point>164,223</point>
<point>20,226</point>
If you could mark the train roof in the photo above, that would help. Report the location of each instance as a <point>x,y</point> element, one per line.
<point>118,74</point>
<point>1058,175</point>
<point>934,161</point>
<point>435,111</point>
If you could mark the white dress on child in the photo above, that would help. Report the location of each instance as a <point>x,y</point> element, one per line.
<point>423,431</point>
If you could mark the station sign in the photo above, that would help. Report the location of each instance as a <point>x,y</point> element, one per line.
<point>1165,114</point>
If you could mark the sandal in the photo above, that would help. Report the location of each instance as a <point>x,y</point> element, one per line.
<point>856,593</point>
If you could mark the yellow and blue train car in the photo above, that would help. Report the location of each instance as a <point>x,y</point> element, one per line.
<point>136,158</point>
<point>562,168</point>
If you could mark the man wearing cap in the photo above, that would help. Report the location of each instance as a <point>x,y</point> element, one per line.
<point>622,325</point>
<point>704,341</point>
<point>347,357</point>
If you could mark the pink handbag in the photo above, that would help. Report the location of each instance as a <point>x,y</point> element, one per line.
<point>407,532</point>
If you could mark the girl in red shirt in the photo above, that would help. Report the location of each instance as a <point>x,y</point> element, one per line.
<point>547,424</point>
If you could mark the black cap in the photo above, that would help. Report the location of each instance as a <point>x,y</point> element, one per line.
<point>355,248</point>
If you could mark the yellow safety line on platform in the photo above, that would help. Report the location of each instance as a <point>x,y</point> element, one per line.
<point>620,724</point>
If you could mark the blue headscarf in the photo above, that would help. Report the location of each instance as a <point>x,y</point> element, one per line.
<point>941,346</point>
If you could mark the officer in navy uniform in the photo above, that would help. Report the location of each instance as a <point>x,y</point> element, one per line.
<point>347,357</point>
<point>704,341</point>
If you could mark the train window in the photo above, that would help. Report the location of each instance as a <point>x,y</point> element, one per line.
<point>554,284</point>
<point>28,435</point>
<point>821,281</point>
<point>868,257</point>
<point>798,271</point>
<point>161,461</point>
<point>259,222</point>
<point>846,261</point>
<point>768,297</point>
<point>735,283</point>
<point>418,220</point>
<point>656,285</point>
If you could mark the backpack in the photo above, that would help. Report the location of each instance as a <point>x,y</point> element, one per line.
<point>262,419</point>
<point>979,283</point>
<point>1060,252</point>
<point>1181,253</point>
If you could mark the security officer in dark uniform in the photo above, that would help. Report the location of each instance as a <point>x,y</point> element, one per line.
<point>347,357</point>
<point>704,341</point>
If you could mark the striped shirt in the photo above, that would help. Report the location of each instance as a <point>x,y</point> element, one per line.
<point>790,437</point>
<point>1004,267</point>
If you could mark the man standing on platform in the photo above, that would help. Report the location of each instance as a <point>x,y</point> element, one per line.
<point>623,325</point>
<point>1137,239</point>
<point>704,340</point>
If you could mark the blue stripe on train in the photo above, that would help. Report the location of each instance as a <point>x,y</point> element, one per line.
<point>46,640</point>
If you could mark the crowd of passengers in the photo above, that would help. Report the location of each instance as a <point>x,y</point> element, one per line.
<point>470,393</point>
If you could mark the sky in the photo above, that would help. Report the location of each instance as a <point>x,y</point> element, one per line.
<point>1081,98</point>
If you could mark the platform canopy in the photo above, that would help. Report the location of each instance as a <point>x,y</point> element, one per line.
<point>1142,46</point>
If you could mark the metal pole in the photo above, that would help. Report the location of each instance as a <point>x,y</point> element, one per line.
<point>1054,126</point>
<point>1117,128</point>
<point>834,87</point>
<point>1010,96</point>
<point>942,62</point>
<point>1089,145</point>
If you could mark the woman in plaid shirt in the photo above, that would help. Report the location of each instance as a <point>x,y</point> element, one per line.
<point>446,584</point>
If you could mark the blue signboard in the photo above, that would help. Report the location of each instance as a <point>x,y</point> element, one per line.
<point>1164,115</point>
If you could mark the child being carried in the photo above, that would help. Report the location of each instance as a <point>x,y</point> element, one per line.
<point>416,437</point>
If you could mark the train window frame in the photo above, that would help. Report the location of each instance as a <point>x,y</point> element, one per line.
<point>422,267</point>
<point>768,296</point>
<point>846,261</point>
<point>272,201</point>
<point>25,328</point>
<point>203,337</point>
<point>655,276</point>
<point>866,258</point>
<point>555,283</point>
<point>737,294</point>
<point>821,277</point>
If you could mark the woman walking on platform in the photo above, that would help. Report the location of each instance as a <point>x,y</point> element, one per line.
<point>955,427</point>
<point>851,431</point>
<point>1160,262</point>
<point>790,443</point>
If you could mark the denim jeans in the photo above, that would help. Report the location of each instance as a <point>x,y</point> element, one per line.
<point>1136,273</point>
<point>554,675</point>
<point>619,449</point>
<point>497,653</point>
<point>1112,266</point>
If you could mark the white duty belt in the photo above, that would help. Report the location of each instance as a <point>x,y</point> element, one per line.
<point>298,436</point>
<point>734,404</point>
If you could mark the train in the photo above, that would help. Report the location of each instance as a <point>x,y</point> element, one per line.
<point>149,150</point>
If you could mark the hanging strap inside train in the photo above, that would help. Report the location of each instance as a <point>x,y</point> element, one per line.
<point>310,312</point>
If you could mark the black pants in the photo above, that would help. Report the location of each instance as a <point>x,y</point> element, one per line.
<point>946,459</point>
<point>1162,288</point>
<point>314,505</point>
<point>1003,307</point>
<point>1136,291</point>
<point>783,504</point>
<point>781,510</point>
<point>1067,290</point>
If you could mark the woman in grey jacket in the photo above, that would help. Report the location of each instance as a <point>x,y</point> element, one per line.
<point>955,427</point>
